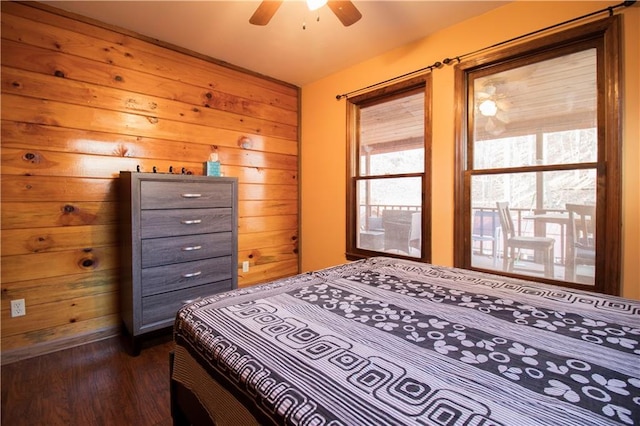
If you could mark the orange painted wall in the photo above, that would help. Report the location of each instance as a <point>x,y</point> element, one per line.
<point>323,153</point>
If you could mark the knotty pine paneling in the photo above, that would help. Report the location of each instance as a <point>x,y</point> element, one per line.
<point>61,238</point>
<point>60,288</point>
<point>34,214</point>
<point>82,101</point>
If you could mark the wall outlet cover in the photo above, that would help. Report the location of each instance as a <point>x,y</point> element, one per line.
<point>18,308</point>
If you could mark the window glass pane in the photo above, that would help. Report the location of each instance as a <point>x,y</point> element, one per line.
<point>542,239</point>
<point>505,152</point>
<point>389,217</point>
<point>400,160</point>
<point>574,146</point>
<point>514,108</point>
<point>391,139</point>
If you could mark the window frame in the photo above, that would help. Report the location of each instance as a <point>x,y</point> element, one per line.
<point>605,33</point>
<point>353,252</point>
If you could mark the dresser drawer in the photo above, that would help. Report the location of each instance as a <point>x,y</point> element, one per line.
<point>169,223</point>
<point>161,279</point>
<point>165,306</point>
<point>178,195</point>
<point>165,251</point>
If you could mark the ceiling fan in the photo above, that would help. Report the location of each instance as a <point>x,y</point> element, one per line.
<point>346,12</point>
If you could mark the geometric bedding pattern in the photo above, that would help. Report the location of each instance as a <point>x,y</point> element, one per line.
<point>388,341</point>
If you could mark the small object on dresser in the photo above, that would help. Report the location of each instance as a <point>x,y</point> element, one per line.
<point>212,167</point>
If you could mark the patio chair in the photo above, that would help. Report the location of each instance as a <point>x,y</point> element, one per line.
<point>486,228</point>
<point>397,230</point>
<point>515,243</point>
<point>582,249</point>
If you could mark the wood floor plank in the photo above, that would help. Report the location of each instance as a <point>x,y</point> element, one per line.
<point>94,384</point>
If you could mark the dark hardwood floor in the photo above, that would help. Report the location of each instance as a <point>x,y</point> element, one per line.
<point>94,384</point>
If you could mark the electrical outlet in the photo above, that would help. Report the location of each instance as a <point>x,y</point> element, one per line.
<point>18,308</point>
<point>245,266</point>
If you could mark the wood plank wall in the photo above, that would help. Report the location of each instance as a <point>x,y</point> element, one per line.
<point>82,101</point>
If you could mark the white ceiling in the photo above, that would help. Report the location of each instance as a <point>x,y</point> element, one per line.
<point>282,49</point>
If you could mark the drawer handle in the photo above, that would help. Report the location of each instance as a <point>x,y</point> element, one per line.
<point>191,248</point>
<point>193,274</point>
<point>191,222</point>
<point>191,195</point>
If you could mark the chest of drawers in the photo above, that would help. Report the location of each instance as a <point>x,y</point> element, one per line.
<point>179,242</point>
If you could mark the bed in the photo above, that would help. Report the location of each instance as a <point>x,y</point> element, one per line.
<point>384,341</point>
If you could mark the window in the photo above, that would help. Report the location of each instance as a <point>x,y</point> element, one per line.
<point>538,172</point>
<point>387,206</point>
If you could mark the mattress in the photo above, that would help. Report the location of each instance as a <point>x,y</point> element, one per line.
<point>384,341</point>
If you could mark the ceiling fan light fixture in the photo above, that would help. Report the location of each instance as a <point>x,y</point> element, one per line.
<point>344,10</point>
<point>315,4</point>
<point>488,108</point>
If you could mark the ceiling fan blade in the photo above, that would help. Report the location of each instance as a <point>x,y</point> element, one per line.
<point>265,12</point>
<point>346,12</point>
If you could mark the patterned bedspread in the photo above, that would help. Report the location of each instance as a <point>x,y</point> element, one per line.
<point>390,342</point>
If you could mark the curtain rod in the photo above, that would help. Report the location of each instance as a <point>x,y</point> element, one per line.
<point>449,61</point>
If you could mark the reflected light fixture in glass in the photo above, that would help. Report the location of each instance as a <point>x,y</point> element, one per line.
<point>488,108</point>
